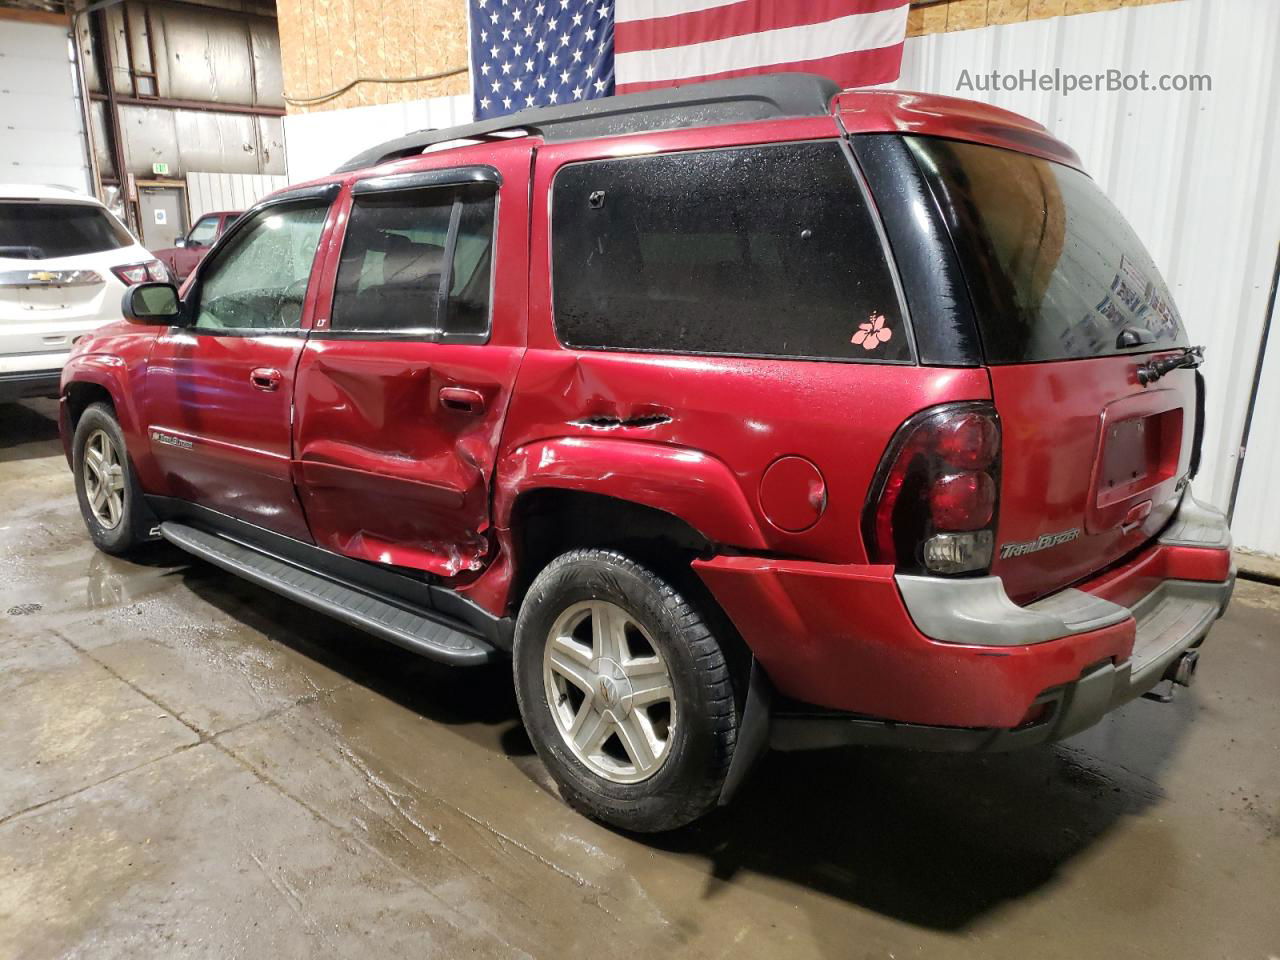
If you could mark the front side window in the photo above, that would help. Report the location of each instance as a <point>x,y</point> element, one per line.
<point>751,251</point>
<point>203,232</point>
<point>417,262</point>
<point>260,280</point>
<point>43,231</point>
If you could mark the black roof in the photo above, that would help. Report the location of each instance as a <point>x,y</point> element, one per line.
<point>765,97</point>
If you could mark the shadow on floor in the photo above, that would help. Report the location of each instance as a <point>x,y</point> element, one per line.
<point>29,430</point>
<point>936,840</point>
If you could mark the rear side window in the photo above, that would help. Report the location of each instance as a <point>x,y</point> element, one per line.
<point>751,251</point>
<point>1055,271</point>
<point>402,247</point>
<point>42,231</point>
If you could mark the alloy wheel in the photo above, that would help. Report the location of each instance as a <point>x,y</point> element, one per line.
<point>609,691</point>
<point>104,479</point>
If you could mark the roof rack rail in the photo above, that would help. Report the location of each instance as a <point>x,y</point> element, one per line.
<point>765,97</point>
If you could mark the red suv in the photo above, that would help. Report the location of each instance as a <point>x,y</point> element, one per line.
<point>747,413</point>
<point>190,250</point>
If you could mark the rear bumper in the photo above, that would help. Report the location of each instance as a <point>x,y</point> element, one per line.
<point>854,658</point>
<point>25,384</point>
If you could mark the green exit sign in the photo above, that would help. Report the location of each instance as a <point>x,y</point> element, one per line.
<point>160,169</point>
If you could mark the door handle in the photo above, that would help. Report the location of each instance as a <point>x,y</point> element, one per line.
<point>265,378</point>
<point>463,399</point>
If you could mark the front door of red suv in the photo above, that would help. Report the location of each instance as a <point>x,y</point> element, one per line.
<point>403,385</point>
<point>219,389</point>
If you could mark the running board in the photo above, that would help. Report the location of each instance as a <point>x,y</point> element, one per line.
<point>414,629</point>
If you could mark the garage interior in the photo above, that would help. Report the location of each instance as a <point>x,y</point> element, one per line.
<point>191,766</point>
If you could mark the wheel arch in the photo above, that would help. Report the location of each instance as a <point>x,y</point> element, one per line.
<point>102,378</point>
<point>694,487</point>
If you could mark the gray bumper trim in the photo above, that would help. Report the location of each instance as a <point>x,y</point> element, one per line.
<point>1197,524</point>
<point>979,611</point>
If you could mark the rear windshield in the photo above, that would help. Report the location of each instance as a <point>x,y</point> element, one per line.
<point>42,231</point>
<point>1054,270</point>
<point>764,251</point>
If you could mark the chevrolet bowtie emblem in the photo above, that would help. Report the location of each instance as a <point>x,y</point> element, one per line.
<point>42,276</point>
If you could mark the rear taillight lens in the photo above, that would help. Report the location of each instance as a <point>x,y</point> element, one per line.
<point>149,270</point>
<point>932,507</point>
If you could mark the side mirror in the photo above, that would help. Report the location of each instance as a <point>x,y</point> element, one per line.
<point>151,304</point>
<point>180,242</point>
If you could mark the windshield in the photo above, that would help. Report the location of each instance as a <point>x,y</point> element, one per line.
<point>1054,270</point>
<point>43,231</point>
<point>202,233</point>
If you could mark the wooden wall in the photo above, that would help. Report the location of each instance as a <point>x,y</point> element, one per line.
<point>325,44</point>
<point>948,15</point>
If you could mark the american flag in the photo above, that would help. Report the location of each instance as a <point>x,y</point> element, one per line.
<point>539,53</point>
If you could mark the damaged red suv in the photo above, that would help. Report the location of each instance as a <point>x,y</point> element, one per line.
<point>751,413</point>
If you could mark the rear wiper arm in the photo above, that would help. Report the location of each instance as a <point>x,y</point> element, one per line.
<point>1153,370</point>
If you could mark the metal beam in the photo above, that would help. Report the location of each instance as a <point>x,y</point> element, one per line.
<point>204,105</point>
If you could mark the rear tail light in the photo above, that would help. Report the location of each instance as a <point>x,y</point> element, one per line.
<point>149,270</point>
<point>932,506</point>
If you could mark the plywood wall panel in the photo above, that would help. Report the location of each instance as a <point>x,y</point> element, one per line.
<point>329,43</point>
<point>949,16</point>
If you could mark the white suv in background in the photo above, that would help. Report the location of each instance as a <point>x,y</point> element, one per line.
<point>65,261</point>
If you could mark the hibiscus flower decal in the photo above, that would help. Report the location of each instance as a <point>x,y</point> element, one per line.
<point>872,333</point>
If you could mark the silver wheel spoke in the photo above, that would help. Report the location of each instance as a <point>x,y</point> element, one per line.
<point>608,626</point>
<point>634,735</point>
<point>649,682</point>
<point>589,728</point>
<point>573,662</point>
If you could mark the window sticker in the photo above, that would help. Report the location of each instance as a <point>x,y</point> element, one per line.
<point>872,333</point>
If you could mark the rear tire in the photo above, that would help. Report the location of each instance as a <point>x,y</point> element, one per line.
<point>625,692</point>
<point>106,486</point>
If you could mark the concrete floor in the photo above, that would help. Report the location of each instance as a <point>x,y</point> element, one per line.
<point>190,766</point>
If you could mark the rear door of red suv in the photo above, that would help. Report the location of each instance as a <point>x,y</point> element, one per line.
<point>1068,306</point>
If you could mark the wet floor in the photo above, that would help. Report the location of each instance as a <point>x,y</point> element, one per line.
<point>192,767</point>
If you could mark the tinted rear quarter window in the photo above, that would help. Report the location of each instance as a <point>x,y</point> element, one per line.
<point>1054,269</point>
<point>43,231</point>
<point>750,251</point>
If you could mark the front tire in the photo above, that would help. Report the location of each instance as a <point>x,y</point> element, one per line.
<point>108,492</point>
<point>625,692</point>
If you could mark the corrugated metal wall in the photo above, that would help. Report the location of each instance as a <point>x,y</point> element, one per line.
<point>1196,174</point>
<point>41,123</point>
<point>214,192</point>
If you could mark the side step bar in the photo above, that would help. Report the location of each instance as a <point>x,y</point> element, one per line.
<point>413,629</point>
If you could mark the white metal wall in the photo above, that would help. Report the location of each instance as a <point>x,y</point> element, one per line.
<point>316,143</point>
<point>1195,173</point>
<point>212,192</point>
<point>41,124</point>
